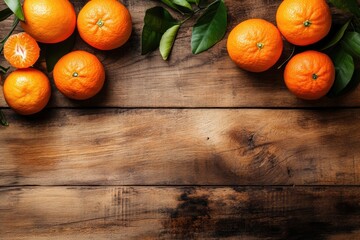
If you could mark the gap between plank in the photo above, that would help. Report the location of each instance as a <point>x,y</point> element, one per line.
<point>188,186</point>
<point>202,108</point>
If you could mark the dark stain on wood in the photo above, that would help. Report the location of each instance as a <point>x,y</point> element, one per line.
<point>240,226</point>
<point>276,213</point>
<point>189,218</point>
<point>345,207</point>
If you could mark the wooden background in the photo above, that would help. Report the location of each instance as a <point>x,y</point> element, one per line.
<point>192,148</point>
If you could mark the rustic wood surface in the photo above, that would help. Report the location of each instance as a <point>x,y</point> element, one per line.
<point>192,148</point>
<point>180,212</point>
<point>182,147</point>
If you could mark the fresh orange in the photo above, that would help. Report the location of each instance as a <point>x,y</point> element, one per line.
<point>21,50</point>
<point>49,21</point>
<point>304,22</point>
<point>309,75</point>
<point>27,91</point>
<point>255,45</point>
<point>104,24</point>
<point>79,75</point>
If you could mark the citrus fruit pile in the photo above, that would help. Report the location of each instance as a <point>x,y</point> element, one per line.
<point>103,24</point>
<point>256,45</point>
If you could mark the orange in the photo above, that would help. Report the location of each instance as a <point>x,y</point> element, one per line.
<point>255,45</point>
<point>309,75</point>
<point>303,22</point>
<point>21,50</point>
<point>27,91</point>
<point>49,21</point>
<point>79,75</point>
<point>104,24</point>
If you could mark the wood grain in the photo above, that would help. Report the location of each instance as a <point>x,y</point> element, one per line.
<point>180,213</point>
<point>181,147</point>
<point>192,148</point>
<point>209,79</point>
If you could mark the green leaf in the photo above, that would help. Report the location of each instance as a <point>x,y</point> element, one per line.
<point>53,52</point>
<point>179,5</point>
<point>183,3</point>
<point>347,5</point>
<point>354,82</point>
<point>157,20</point>
<point>167,41</point>
<point>4,14</point>
<point>15,6</point>
<point>3,120</point>
<point>170,4</point>
<point>344,68</point>
<point>4,69</point>
<point>15,23</point>
<point>337,36</point>
<point>351,43</point>
<point>210,28</point>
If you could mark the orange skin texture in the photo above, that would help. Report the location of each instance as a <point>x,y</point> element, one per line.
<point>27,91</point>
<point>79,75</point>
<point>49,21</point>
<point>104,24</point>
<point>299,75</point>
<point>21,50</point>
<point>243,49</point>
<point>291,18</point>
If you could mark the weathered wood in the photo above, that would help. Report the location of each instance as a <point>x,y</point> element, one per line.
<point>144,147</point>
<point>209,79</point>
<point>164,146</point>
<point>180,213</point>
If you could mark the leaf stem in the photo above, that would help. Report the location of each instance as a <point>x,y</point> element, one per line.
<point>190,16</point>
<point>16,21</point>
<point>356,23</point>
<point>196,11</point>
<point>4,69</point>
<point>3,120</point>
<point>352,26</point>
<point>292,53</point>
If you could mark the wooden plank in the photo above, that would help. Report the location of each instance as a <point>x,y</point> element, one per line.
<point>180,213</point>
<point>209,79</point>
<point>181,147</point>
